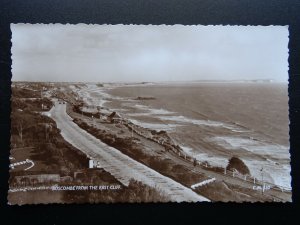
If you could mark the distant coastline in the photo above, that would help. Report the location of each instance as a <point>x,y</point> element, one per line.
<point>155,83</point>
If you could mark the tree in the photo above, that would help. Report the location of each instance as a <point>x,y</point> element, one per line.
<point>21,121</point>
<point>238,164</point>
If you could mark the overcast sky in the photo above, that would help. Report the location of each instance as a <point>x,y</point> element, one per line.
<point>135,53</point>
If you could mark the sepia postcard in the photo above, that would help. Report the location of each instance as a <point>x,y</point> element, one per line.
<point>144,113</point>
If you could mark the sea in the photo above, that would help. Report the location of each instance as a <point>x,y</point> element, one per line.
<point>211,121</point>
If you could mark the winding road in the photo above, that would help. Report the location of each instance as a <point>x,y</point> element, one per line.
<point>119,165</point>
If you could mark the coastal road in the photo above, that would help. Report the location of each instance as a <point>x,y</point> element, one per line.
<point>119,165</point>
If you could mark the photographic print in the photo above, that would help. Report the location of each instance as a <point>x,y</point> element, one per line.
<point>145,113</point>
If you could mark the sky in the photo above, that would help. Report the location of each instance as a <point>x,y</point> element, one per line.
<point>148,53</point>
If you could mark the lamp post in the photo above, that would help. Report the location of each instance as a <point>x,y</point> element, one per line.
<point>262,180</point>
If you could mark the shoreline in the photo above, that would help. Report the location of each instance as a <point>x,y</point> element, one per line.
<point>94,129</point>
<point>238,131</point>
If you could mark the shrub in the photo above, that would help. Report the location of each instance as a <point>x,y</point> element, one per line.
<point>238,164</point>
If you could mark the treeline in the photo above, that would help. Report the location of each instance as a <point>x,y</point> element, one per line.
<point>25,93</point>
<point>31,104</point>
<point>30,100</point>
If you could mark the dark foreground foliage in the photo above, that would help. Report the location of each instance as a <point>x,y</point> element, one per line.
<point>135,192</point>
